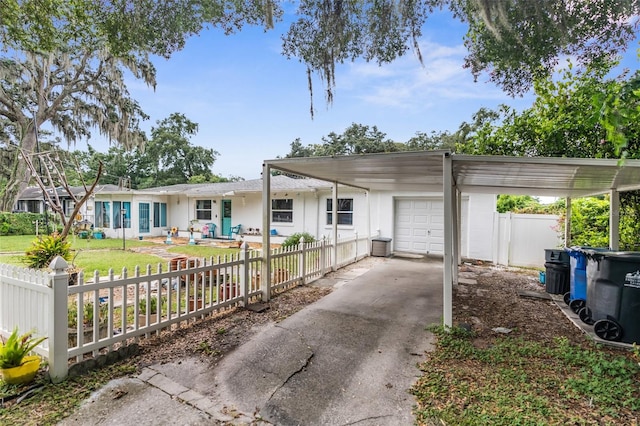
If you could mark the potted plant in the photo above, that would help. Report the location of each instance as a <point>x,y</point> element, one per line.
<point>98,234</point>
<point>87,322</point>
<point>153,310</point>
<point>15,364</point>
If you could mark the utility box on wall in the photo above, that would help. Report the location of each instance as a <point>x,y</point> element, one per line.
<point>381,247</point>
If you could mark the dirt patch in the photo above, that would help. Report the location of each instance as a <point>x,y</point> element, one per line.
<point>217,335</point>
<point>494,301</point>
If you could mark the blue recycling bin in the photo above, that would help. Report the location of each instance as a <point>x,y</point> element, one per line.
<point>577,296</point>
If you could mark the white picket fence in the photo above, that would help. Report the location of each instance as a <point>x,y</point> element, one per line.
<point>104,314</point>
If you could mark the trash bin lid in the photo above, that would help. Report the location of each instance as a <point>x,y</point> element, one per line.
<point>383,239</point>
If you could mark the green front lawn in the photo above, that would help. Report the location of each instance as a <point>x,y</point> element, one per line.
<point>90,254</point>
<point>202,251</point>
<point>20,243</point>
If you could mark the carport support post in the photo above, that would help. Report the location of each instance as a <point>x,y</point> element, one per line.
<point>614,219</point>
<point>567,223</point>
<point>447,287</point>
<point>265,281</point>
<point>334,225</point>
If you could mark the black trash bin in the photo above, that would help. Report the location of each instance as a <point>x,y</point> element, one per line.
<point>629,319</point>
<point>557,272</point>
<point>611,290</point>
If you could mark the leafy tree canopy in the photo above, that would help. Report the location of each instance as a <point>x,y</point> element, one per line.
<point>126,26</point>
<point>514,41</point>
<point>168,158</point>
<point>363,139</point>
<point>356,139</point>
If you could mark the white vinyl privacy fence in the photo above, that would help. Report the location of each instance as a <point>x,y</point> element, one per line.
<point>520,239</point>
<point>102,316</point>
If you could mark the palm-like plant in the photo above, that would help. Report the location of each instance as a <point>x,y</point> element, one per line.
<point>16,347</point>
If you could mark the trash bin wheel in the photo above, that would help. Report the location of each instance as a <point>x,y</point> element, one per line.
<point>607,329</point>
<point>585,316</point>
<point>577,304</point>
<point>567,297</point>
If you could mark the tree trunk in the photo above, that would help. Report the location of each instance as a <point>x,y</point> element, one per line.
<point>19,177</point>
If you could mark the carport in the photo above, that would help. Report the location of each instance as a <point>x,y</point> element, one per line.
<point>453,174</point>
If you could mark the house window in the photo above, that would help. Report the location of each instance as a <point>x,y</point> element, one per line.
<point>345,211</point>
<point>117,214</point>
<point>159,215</point>
<point>33,206</point>
<point>68,206</point>
<point>103,214</point>
<point>282,210</point>
<point>203,209</point>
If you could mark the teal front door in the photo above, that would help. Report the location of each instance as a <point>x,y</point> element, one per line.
<point>226,217</point>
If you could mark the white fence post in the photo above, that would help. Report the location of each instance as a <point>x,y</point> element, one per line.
<point>58,339</point>
<point>355,247</point>
<point>244,273</point>
<point>302,271</point>
<point>323,258</point>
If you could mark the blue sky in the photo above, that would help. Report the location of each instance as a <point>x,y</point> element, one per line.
<point>251,102</point>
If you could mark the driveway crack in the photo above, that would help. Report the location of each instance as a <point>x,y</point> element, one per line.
<point>299,370</point>
<point>367,419</point>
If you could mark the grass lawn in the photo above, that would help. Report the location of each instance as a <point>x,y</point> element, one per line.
<point>516,381</point>
<point>90,254</point>
<point>20,243</point>
<point>202,251</point>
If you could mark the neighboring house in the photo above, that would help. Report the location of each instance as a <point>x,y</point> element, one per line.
<point>413,220</point>
<point>32,199</point>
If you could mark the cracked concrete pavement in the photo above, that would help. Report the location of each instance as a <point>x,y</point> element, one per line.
<point>349,358</point>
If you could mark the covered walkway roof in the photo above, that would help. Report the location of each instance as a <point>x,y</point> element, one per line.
<point>435,171</point>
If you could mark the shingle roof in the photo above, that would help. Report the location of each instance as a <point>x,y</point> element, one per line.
<point>278,183</point>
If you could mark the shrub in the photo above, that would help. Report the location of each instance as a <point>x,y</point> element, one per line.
<point>87,314</point>
<point>45,248</point>
<point>153,305</point>
<point>294,239</point>
<point>20,223</point>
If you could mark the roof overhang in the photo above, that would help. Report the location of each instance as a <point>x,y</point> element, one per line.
<point>423,171</point>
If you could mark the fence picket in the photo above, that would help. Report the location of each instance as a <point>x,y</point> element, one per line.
<point>222,281</point>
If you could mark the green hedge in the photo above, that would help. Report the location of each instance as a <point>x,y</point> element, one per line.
<point>21,223</point>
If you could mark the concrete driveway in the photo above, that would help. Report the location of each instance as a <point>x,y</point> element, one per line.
<point>349,358</point>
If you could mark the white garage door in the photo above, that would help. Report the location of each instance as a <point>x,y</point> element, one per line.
<point>419,225</point>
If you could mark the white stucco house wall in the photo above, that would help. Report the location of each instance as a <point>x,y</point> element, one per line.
<point>413,220</point>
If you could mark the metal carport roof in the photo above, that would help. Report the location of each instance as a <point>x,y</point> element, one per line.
<point>434,171</point>
<point>423,171</point>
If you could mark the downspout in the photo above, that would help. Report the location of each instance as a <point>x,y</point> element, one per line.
<point>447,285</point>
<point>265,282</point>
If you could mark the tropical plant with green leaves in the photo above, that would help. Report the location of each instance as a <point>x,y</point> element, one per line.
<point>16,347</point>
<point>45,248</point>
